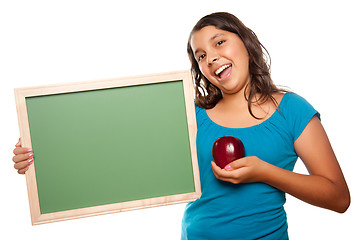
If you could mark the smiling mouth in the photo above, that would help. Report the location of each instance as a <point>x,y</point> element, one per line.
<point>224,71</point>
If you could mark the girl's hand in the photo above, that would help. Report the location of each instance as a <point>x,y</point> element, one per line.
<point>243,170</point>
<point>23,158</point>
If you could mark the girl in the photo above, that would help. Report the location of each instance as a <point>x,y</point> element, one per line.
<point>235,96</point>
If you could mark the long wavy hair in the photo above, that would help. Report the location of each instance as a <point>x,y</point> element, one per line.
<point>206,94</point>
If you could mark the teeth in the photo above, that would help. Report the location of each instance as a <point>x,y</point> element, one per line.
<point>221,69</point>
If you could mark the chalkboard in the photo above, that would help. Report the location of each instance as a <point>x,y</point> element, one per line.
<point>109,146</point>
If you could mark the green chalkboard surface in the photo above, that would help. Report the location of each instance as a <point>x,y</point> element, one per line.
<point>113,145</point>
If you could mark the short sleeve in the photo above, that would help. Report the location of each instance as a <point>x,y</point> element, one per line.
<point>200,115</point>
<point>298,112</point>
<point>197,108</point>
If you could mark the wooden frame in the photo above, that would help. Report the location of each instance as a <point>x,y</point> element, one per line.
<point>21,94</point>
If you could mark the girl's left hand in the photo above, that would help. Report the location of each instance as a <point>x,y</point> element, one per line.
<point>243,170</point>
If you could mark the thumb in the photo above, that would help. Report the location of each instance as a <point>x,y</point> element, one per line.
<point>18,144</point>
<point>236,164</point>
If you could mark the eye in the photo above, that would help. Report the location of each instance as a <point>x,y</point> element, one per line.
<point>201,57</point>
<point>220,43</point>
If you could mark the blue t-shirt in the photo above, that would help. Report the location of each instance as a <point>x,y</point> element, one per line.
<point>246,210</point>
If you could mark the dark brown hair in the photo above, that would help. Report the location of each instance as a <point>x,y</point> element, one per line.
<point>206,94</point>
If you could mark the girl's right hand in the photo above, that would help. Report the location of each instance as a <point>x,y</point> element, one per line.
<point>23,158</point>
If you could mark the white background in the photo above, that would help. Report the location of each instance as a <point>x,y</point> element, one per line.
<point>314,50</point>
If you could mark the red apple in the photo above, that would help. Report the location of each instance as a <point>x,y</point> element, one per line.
<point>227,149</point>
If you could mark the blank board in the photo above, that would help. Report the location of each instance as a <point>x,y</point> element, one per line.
<point>109,146</point>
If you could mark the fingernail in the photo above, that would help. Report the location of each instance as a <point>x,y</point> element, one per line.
<point>31,155</point>
<point>26,167</point>
<point>227,167</point>
<point>30,160</point>
<point>29,150</point>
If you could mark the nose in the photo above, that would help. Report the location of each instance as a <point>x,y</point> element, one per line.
<point>211,59</point>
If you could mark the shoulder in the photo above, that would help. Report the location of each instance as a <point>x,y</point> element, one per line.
<point>297,112</point>
<point>200,115</point>
<point>293,102</point>
<point>198,109</point>
<point>291,97</point>
<point>294,96</point>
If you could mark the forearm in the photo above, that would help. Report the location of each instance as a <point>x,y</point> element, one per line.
<point>313,189</point>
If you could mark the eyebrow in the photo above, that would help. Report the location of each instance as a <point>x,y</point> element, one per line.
<point>211,39</point>
<point>216,36</point>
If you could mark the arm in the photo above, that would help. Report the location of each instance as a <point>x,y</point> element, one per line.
<point>325,185</point>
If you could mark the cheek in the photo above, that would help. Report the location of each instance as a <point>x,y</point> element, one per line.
<point>238,53</point>
<point>204,70</point>
<point>230,52</point>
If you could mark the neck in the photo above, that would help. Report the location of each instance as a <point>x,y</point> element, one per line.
<point>238,100</point>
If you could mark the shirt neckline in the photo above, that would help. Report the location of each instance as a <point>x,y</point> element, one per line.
<point>253,126</point>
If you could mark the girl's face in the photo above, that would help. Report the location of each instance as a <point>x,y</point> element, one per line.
<point>222,58</point>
